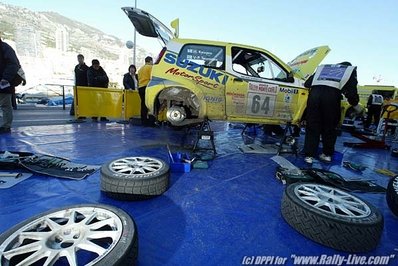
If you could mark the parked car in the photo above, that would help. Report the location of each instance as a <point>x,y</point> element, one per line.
<point>197,79</point>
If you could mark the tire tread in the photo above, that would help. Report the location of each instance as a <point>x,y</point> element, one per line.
<point>350,237</point>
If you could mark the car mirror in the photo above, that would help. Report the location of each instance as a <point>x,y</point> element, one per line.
<point>260,69</point>
<point>290,77</point>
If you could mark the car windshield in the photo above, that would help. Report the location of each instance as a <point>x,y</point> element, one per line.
<point>256,64</point>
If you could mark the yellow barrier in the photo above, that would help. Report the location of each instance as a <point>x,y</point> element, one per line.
<point>106,102</point>
<point>133,104</point>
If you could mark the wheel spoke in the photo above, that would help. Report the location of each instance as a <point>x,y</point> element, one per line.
<point>308,193</point>
<point>70,255</point>
<point>356,209</point>
<point>32,247</point>
<point>33,258</point>
<point>331,206</point>
<point>51,258</point>
<point>311,198</point>
<point>92,247</point>
<point>33,235</point>
<point>102,234</point>
<point>150,169</point>
<point>309,190</point>
<point>346,210</point>
<point>50,223</point>
<point>71,218</point>
<point>89,218</point>
<point>99,224</point>
<point>139,169</point>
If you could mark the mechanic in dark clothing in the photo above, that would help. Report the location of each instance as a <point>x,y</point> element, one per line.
<point>97,77</point>
<point>375,101</point>
<point>9,66</point>
<point>80,78</point>
<point>323,106</point>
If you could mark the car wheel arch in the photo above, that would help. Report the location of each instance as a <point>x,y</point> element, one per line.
<point>166,94</point>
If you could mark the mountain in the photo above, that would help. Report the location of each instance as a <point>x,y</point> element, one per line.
<point>47,44</point>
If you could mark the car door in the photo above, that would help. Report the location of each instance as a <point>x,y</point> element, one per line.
<point>263,89</point>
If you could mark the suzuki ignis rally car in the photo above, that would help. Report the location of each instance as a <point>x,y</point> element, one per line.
<point>197,79</point>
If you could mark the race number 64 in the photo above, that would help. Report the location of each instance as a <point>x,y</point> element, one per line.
<point>260,104</point>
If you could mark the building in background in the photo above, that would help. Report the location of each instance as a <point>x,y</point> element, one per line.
<point>61,39</point>
<point>28,41</point>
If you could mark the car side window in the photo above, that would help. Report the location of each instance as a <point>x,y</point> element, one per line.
<point>256,64</point>
<point>204,55</point>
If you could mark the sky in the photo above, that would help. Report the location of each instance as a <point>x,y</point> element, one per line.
<point>363,32</point>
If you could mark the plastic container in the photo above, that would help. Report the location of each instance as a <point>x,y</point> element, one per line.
<point>178,165</point>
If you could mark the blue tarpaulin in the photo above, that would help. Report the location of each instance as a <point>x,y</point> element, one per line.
<point>215,216</point>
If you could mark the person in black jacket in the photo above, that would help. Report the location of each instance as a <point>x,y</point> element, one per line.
<point>80,78</point>
<point>97,77</point>
<point>130,79</point>
<point>323,106</point>
<point>9,66</point>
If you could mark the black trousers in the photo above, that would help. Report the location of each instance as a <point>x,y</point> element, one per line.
<point>373,113</point>
<point>144,109</point>
<point>323,115</point>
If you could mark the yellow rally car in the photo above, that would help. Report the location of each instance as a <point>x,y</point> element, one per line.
<point>197,79</point>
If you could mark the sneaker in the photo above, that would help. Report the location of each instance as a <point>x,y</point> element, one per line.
<point>308,159</point>
<point>4,130</point>
<point>325,158</point>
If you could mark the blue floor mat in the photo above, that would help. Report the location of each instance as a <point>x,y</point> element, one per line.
<point>216,216</point>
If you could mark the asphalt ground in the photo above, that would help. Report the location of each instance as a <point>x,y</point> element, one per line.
<point>37,115</point>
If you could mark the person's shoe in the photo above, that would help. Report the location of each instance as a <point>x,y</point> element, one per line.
<point>4,130</point>
<point>104,119</point>
<point>308,159</point>
<point>325,158</point>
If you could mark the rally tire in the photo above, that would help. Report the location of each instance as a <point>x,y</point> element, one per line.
<point>62,236</point>
<point>359,232</point>
<point>392,195</point>
<point>134,178</point>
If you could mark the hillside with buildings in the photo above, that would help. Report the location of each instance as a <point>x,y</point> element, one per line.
<point>47,44</point>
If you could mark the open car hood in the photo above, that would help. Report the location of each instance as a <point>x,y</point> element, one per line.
<point>305,64</point>
<point>148,25</point>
